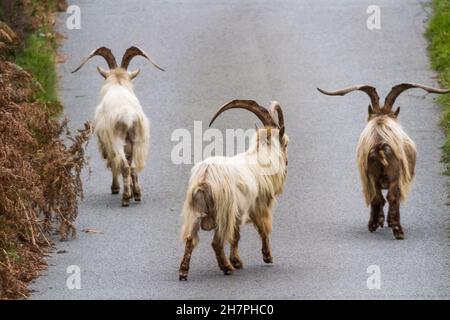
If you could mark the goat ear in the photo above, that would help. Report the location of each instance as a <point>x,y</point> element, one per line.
<point>103,72</point>
<point>134,74</point>
<point>370,110</point>
<point>397,112</point>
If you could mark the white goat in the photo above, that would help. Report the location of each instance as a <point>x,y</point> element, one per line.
<point>226,192</point>
<point>121,126</point>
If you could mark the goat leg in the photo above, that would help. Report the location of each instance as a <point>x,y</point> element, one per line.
<point>115,186</point>
<point>394,211</point>
<point>191,240</point>
<point>264,227</point>
<point>222,260</point>
<point>126,174</point>
<point>376,212</point>
<point>381,215</point>
<point>135,185</point>
<point>136,189</point>
<point>185,262</point>
<point>234,252</point>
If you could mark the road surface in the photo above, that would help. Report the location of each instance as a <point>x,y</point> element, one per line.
<point>215,51</point>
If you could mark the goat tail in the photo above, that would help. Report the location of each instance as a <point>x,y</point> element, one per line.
<point>197,207</point>
<point>210,204</point>
<point>141,143</point>
<point>383,159</point>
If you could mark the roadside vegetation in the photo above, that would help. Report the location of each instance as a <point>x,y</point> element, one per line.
<point>40,181</point>
<point>438,33</point>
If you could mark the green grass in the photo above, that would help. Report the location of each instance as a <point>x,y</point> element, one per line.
<point>438,33</point>
<point>38,53</point>
<point>38,57</point>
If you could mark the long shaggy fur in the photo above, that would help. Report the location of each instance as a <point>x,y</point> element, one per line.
<point>120,120</point>
<point>225,192</point>
<point>384,130</point>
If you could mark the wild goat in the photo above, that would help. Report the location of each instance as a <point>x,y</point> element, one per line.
<point>226,192</point>
<point>121,126</point>
<point>386,156</point>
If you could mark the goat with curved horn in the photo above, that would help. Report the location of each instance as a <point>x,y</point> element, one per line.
<point>122,128</point>
<point>398,89</point>
<point>226,192</point>
<point>369,90</point>
<point>132,52</point>
<point>386,156</point>
<point>102,52</point>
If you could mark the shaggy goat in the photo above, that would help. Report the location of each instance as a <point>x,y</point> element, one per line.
<point>386,156</point>
<point>121,126</point>
<point>226,192</point>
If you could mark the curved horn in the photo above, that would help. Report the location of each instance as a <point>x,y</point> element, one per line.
<point>133,52</point>
<point>250,105</point>
<point>103,52</point>
<point>398,89</point>
<point>275,107</point>
<point>369,90</point>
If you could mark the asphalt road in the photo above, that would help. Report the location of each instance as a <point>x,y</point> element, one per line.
<point>215,51</point>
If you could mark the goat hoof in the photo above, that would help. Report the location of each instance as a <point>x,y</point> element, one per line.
<point>183,277</point>
<point>399,236</point>
<point>125,203</point>
<point>236,262</point>
<point>372,227</point>
<point>115,190</point>
<point>228,270</point>
<point>137,198</point>
<point>268,259</point>
<point>398,233</point>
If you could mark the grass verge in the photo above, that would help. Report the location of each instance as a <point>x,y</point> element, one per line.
<point>33,21</point>
<point>438,33</point>
<point>39,58</point>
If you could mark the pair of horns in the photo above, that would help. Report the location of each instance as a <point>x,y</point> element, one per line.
<point>111,60</point>
<point>390,98</point>
<point>266,116</point>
